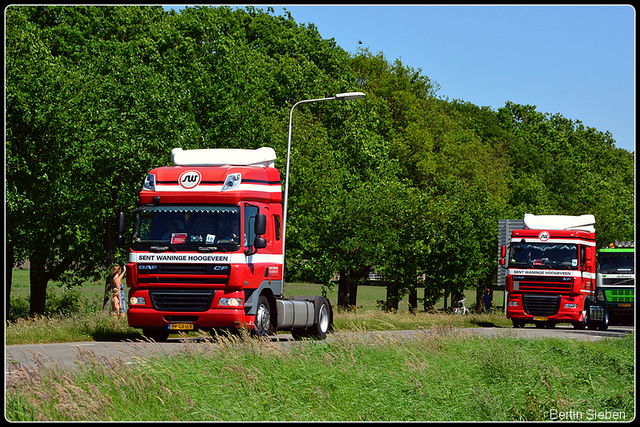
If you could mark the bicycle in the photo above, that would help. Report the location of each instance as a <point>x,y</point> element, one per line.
<point>460,308</point>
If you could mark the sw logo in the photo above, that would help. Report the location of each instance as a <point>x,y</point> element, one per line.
<point>189,179</point>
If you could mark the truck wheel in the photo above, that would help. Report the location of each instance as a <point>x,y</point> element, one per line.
<point>518,324</point>
<point>158,335</point>
<point>323,315</point>
<point>581,325</point>
<point>263,325</point>
<point>321,326</point>
<point>605,322</point>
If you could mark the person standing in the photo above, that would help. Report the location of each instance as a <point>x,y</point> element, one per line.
<point>115,279</point>
<point>487,299</point>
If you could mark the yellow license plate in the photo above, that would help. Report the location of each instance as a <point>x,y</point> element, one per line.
<point>541,318</point>
<point>624,305</point>
<point>181,326</point>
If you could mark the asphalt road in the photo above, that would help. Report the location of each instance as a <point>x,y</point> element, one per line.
<point>67,355</point>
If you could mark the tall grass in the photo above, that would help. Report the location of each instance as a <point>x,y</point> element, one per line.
<point>440,376</point>
<point>74,315</point>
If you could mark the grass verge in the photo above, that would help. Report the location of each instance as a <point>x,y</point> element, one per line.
<point>76,315</point>
<point>442,375</point>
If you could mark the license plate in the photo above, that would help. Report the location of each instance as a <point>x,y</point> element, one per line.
<point>181,326</point>
<point>541,318</point>
<point>624,305</point>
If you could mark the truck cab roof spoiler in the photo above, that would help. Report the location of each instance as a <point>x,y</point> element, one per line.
<point>261,157</point>
<point>560,222</point>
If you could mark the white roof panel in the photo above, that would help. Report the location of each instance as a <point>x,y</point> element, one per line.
<point>262,157</point>
<point>560,222</point>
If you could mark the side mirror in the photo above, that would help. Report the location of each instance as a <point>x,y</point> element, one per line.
<point>120,241</point>
<point>260,226</point>
<point>120,219</point>
<point>260,243</point>
<point>503,251</point>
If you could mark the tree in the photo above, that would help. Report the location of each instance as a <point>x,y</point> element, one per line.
<point>96,96</point>
<point>81,84</point>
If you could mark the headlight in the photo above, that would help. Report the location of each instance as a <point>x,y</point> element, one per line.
<point>137,301</point>
<point>233,302</point>
<point>571,306</point>
<point>513,304</point>
<point>149,182</point>
<point>232,181</point>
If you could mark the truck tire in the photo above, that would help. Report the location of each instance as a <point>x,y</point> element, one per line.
<point>518,323</point>
<point>263,323</point>
<point>323,322</point>
<point>604,325</point>
<point>158,335</point>
<point>583,324</point>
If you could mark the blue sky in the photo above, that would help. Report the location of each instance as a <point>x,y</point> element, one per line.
<point>578,61</point>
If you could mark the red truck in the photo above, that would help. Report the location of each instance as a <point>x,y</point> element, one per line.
<point>551,270</point>
<point>207,251</point>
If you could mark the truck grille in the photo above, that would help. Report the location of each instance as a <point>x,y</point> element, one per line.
<point>619,295</point>
<point>543,283</point>
<point>541,305</point>
<point>181,299</point>
<point>197,274</point>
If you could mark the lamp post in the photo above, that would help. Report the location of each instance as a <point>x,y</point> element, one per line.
<point>340,96</point>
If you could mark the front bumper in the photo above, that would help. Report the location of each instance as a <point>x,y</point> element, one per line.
<point>214,318</point>
<point>565,309</point>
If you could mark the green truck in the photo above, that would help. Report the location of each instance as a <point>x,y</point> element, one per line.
<point>615,285</point>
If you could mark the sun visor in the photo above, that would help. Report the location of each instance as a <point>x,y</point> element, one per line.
<point>560,222</point>
<point>262,157</point>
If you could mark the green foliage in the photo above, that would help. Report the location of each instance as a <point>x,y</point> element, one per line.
<point>403,181</point>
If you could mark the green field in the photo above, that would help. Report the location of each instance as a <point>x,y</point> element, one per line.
<point>367,295</point>
<point>77,315</point>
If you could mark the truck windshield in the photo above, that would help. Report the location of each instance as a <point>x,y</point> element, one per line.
<point>621,262</point>
<point>201,225</point>
<point>544,255</point>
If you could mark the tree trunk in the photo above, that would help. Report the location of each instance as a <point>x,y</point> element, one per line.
<point>354,281</point>
<point>413,299</point>
<point>39,278</point>
<point>353,289</point>
<point>392,296</point>
<point>479,300</point>
<point>343,290</point>
<point>9,260</point>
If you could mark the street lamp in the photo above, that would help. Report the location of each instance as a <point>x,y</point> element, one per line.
<point>340,96</point>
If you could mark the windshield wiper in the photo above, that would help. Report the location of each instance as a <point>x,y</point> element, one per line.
<point>162,248</point>
<point>211,249</point>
